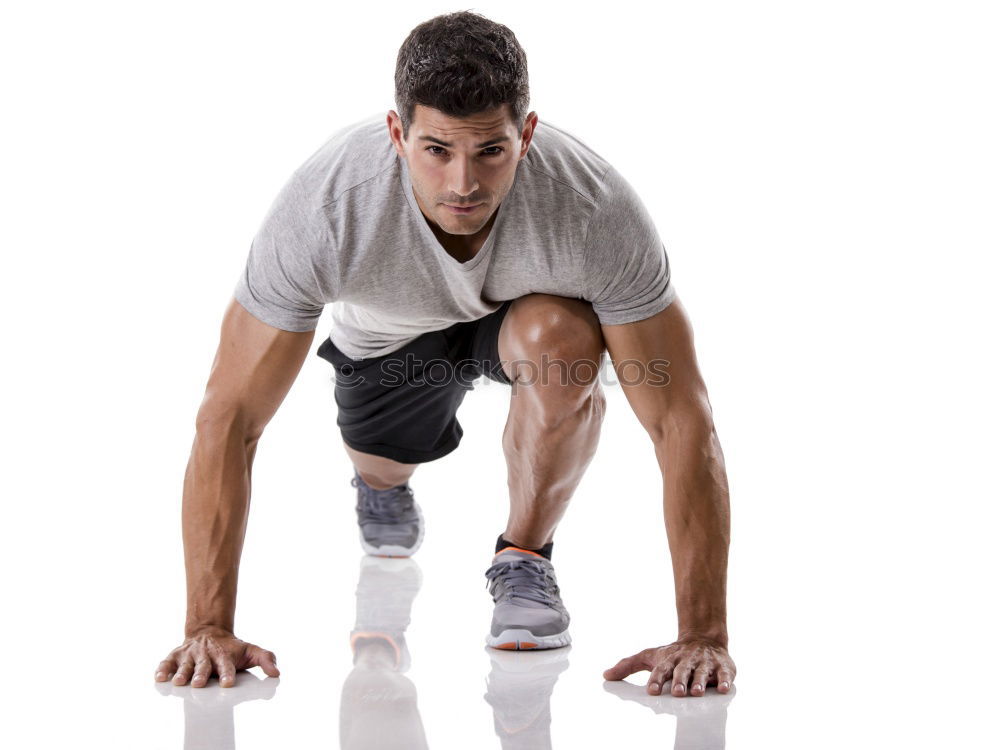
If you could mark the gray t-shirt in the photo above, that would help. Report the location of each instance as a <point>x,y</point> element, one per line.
<point>346,229</point>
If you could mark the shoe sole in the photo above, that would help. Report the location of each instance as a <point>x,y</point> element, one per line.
<point>394,550</point>
<point>519,639</point>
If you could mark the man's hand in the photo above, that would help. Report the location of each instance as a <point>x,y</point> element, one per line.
<point>677,415</point>
<point>254,367</point>
<point>212,653</point>
<point>691,664</point>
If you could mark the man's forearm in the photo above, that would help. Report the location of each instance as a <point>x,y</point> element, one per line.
<point>696,514</point>
<point>214,518</point>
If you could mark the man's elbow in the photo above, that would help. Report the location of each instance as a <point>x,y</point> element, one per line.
<point>225,421</point>
<point>690,422</point>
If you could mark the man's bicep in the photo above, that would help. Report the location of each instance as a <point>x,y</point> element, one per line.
<point>656,366</point>
<point>253,370</point>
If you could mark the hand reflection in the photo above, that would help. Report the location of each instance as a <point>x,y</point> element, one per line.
<point>208,711</point>
<point>701,724</point>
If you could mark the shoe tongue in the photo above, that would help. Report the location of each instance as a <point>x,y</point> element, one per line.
<point>516,553</point>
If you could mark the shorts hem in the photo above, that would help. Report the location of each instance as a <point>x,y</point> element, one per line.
<point>404,455</point>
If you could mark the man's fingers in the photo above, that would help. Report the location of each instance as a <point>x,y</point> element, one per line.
<point>227,672</point>
<point>625,667</point>
<point>682,674</point>
<point>165,669</point>
<point>184,671</point>
<point>725,679</point>
<point>266,660</point>
<point>202,671</point>
<point>660,674</point>
<point>200,657</point>
<point>224,665</point>
<point>700,680</point>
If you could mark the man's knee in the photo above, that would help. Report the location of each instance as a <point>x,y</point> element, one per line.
<point>378,471</point>
<point>545,332</point>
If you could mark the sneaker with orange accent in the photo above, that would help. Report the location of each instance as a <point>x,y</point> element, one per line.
<point>528,612</point>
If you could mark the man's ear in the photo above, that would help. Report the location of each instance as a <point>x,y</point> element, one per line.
<point>530,121</point>
<point>395,127</point>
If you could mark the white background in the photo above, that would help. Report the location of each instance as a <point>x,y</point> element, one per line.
<point>825,178</point>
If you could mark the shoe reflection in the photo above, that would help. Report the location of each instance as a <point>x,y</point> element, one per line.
<point>208,711</point>
<point>519,688</point>
<point>701,721</point>
<point>378,706</point>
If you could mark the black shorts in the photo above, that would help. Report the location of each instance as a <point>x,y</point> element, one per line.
<point>403,405</point>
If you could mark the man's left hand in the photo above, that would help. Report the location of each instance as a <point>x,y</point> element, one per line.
<point>692,664</point>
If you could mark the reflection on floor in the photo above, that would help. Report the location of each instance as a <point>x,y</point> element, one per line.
<point>519,688</point>
<point>378,706</point>
<point>701,723</point>
<point>208,711</point>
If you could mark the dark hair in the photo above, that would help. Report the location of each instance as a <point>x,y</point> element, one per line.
<point>461,64</point>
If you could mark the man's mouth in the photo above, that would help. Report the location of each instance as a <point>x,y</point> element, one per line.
<point>468,209</point>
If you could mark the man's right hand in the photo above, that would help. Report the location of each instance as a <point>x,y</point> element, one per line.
<point>210,653</point>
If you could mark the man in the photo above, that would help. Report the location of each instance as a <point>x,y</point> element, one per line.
<point>475,235</point>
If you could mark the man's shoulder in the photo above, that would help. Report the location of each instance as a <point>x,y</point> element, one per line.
<point>560,161</point>
<point>353,155</point>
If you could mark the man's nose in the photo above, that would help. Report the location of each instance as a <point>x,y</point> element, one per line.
<point>461,177</point>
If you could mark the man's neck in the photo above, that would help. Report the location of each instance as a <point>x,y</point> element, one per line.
<point>463,247</point>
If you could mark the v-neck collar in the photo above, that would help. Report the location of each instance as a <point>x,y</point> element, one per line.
<point>428,233</point>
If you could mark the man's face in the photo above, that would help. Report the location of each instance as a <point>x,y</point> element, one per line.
<point>465,162</point>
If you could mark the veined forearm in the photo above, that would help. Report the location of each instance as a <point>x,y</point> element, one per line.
<point>696,515</point>
<point>214,518</point>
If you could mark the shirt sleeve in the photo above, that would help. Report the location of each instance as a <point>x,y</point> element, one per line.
<point>626,270</point>
<point>286,280</point>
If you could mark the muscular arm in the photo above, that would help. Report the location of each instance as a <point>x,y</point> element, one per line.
<point>671,402</point>
<point>254,367</point>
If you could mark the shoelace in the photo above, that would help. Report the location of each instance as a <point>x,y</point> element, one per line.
<point>523,579</point>
<point>384,506</point>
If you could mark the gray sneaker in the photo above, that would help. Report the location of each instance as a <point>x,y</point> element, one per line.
<point>528,612</point>
<point>390,521</point>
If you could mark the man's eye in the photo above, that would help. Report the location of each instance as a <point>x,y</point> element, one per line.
<point>440,151</point>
